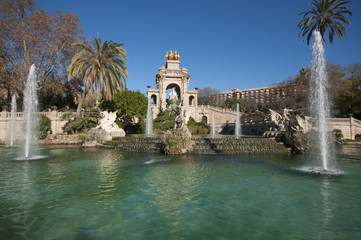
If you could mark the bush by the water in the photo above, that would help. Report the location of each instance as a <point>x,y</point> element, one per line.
<point>338,135</point>
<point>285,137</point>
<point>198,128</point>
<point>44,126</point>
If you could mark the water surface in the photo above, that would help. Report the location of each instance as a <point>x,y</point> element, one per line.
<point>106,194</point>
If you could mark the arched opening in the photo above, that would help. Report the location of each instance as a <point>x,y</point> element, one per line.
<point>204,119</point>
<point>153,99</point>
<point>170,93</point>
<point>191,101</point>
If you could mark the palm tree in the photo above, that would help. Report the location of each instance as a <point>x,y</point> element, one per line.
<point>102,68</point>
<point>325,15</point>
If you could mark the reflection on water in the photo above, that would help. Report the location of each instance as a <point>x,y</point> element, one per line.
<point>107,194</point>
<point>25,195</point>
<point>349,153</point>
<point>110,165</point>
<point>173,185</point>
<point>326,210</point>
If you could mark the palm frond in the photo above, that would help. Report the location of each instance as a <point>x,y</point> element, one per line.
<point>324,16</point>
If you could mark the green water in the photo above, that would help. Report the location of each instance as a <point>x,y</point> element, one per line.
<point>107,194</point>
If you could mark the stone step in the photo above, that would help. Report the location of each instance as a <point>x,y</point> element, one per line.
<point>202,146</point>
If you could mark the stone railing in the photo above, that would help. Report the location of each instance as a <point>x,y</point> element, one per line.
<point>55,117</point>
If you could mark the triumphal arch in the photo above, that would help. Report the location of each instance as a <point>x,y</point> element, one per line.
<point>176,79</point>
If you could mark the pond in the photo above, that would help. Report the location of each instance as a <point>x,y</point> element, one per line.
<point>84,193</point>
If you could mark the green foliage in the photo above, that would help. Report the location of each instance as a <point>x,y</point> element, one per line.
<point>358,137</point>
<point>135,128</point>
<point>129,105</point>
<point>197,127</point>
<point>338,134</point>
<point>231,103</point>
<point>89,120</point>
<point>164,122</point>
<point>286,138</point>
<point>44,126</point>
<point>325,16</point>
<point>102,66</point>
<point>346,89</point>
<point>66,116</point>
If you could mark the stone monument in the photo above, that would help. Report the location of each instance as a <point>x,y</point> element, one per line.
<point>175,78</point>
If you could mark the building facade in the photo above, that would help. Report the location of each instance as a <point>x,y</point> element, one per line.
<point>261,95</point>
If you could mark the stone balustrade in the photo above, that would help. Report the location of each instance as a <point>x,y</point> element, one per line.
<point>55,117</point>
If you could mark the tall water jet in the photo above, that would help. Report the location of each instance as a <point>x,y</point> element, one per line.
<point>319,105</point>
<point>213,128</point>
<point>12,121</point>
<point>237,131</point>
<point>30,116</point>
<point>149,121</point>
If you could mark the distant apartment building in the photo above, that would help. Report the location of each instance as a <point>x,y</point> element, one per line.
<point>261,95</point>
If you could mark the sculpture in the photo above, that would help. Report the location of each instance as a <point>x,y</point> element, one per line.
<point>172,56</point>
<point>107,123</point>
<point>173,96</point>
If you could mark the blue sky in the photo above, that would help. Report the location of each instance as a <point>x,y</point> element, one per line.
<point>224,44</point>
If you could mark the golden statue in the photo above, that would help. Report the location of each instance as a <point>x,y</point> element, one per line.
<point>172,56</point>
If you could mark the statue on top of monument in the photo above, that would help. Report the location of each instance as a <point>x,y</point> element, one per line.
<point>172,56</point>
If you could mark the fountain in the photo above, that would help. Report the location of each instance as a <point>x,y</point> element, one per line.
<point>319,109</point>
<point>30,117</point>
<point>213,129</point>
<point>237,131</point>
<point>12,121</point>
<point>149,121</point>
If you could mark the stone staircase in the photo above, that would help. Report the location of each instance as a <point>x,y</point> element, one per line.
<point>236,146</point>
<point>226,145</point>
<point>137,144</point>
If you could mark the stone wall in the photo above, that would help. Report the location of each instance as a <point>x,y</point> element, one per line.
<point>54,116</point>
<point>349,127</point>
<point>204,113</point>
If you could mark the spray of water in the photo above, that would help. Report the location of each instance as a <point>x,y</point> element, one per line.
<point>319,105</point>
<point>213,130</point>
<point>149,121</point>
<point>237,131</point>
<point>30,116</point>
<point>12,121</point>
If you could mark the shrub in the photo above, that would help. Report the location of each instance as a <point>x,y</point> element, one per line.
<point>44,126</point>
<point>164,122</point>
<point>134,128</point>
<point>285,137</point>
<point>67,115</point>
<point>89,120</point>
<point>197,127</point>
<point>358,137</point>
<point>338,134</point>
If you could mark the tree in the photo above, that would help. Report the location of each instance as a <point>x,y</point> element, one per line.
<point>346,86</point>
<point>130,105</point>
<point>204,95</point>
<point>102,68</point>
<point>31,36</point>
<point>325,16</point>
